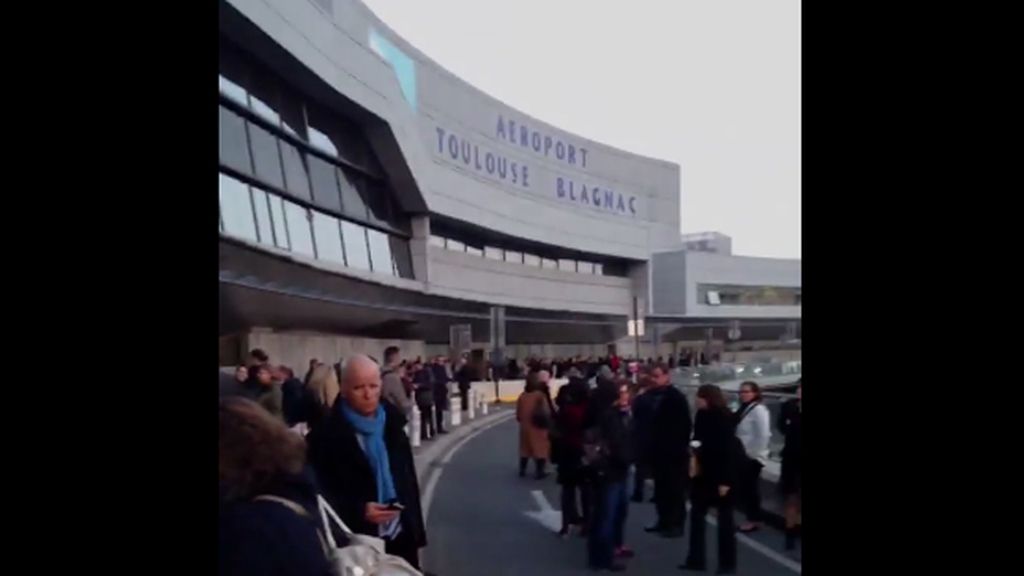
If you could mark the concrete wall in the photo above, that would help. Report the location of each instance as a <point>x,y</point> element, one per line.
<point>360,57</point>
<point>295,349</point>
<point>676,276</point>
<point>462,275</point>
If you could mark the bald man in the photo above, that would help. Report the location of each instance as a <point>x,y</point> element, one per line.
<point>364,463</point>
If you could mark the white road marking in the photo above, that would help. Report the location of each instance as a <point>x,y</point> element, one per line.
<point>546,514</point>
<point>771,554</point>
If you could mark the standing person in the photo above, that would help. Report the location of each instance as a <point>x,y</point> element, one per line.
<point>268,522</point>
<point>261,388</point>
<point>424,396</point>
<point>364,462</point>
<point>644,407</point>
<point>464,377</point>
<point>233,384</point>
<point>313,363</point>
<point>754,430</point>
<point>789,478</point>
<point>569,419</point>
<point>440,383</point>
<point>257,357</point>
<point>392,388</point>
<point>534,416</point>
<point>292,394</point>
<point>669,453</point>
<point>717,452</point>
<point>321,393</point>
<point>606,540</point>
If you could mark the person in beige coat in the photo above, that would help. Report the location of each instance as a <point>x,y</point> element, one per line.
<point>534,413</point>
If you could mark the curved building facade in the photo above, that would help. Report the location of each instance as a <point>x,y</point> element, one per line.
<point>369,196</point>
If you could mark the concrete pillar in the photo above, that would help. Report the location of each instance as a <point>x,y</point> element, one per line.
<point>419,246</point>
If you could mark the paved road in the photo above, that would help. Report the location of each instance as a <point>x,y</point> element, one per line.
<point>478,523</point>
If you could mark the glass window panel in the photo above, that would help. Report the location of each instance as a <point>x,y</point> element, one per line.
<point>266,156</point>
<point>456,246</point>
<point>494,253</point>
<point>515,257</point>
<point>403,259</point>
<point>328,238</point>
<point>232,90</point>
<point>380,252</point>
<point>585,267</point>
<point>474,250</point>
<point>378,201</point>
<point>234,146</point>
<point>296,176</point>
<point>263,223</point>
<point>531,259</point>
<point>567,265</point>
<point>298,229</point>
<point>293,118</point>
<point>280,227</point>
<point>354,237</point>
<point>548,264</point>
<point>599,269</point>
<point>236,209</point>
<point>351,199</point>
<point>335,136</point>
<point>436,241</point>
<point>263,96</point>
<point>325,183</point>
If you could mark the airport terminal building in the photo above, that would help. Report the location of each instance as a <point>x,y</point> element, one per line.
<point>369,197</point>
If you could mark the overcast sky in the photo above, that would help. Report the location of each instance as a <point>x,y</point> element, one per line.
<point>713,85</point>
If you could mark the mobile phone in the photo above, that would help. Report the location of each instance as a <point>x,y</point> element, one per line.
<point>395,506</point>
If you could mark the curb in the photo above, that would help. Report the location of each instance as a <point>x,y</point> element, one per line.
<point>429,452</point>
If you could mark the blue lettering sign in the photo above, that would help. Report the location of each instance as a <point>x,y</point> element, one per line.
<point>440,140</point>
<point>489,163</point>
<point>561,187</point>
<point>560,150</point>
<point>502,167</point>
<point>632,205</point>
<point>501,127</point>
<point>583,157</point>
<point>453,146</point>
<point>572,155</point>
<point>535,140</point>
<point>466,151</point>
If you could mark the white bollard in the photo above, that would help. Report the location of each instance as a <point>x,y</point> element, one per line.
<point>483,407</point>
<point>471,403</point>
<point>456,415</point>
<point>414,423</point>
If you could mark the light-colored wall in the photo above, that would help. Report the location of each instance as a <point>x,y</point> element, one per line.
<point>677,275</point>
<point>461,275</point>
<point>296,349</point>
<point>337,48</point>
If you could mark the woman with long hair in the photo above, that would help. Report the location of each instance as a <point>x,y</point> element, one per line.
<point>789,479</point>
<point>714,476</point>
<point>268,522</point>
<point>610,467</point>
<point>754,430</point>
<point>321,393</point>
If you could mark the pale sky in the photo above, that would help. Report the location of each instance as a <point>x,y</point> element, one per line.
<point>713,85</point>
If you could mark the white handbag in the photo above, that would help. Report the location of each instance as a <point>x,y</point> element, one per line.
<point>364,555</point>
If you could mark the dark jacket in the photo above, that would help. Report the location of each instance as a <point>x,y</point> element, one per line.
<point>615,430</point>
<point>720,450</point>
<point>670,427</point>
<point>644,409</point>
<point>293,402</point>
<point>789,424</point>
<point>464,377</point>
<point>347,481</point>
<point>440,385</point>
<point>260,538</point>
<point>424,381</point>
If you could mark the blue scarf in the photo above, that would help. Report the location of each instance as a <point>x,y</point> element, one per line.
<point>372,431</point>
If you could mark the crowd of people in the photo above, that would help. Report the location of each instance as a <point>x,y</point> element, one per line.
<point>290,448</point>
<point>605,423</point>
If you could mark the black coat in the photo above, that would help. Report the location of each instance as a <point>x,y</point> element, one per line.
<point>720,451</point>
<point>293,401</point>
<point>347,481</point>
<point>424,393</point>
<point>615,430</point>
<point>670,427</point>
<point>260,538</point>
<point>440,385</point>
